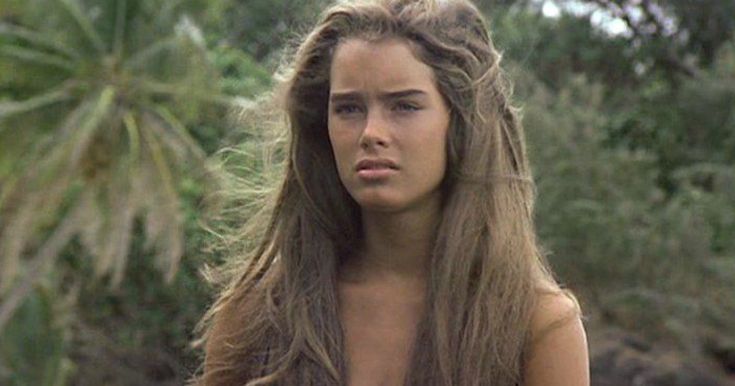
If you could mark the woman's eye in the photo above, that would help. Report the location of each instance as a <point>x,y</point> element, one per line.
<point>405,107</point>
<point>346,109</point>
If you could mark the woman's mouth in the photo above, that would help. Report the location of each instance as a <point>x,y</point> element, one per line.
<point>375,168</point>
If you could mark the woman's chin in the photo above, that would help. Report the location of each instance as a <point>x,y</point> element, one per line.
<point>382,201</point>
<point>379,203</point>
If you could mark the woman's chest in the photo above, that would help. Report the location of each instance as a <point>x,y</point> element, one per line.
<point>379,336</point>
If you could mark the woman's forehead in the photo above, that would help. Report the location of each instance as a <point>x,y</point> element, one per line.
<point>385,65</point>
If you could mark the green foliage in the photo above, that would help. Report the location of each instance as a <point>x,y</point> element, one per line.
<point>647,259</point>
<point>34,348</point>
<point>670,34</point>
<point>685,123</point>
<point>635,176</point>
<point>558,49</point>
<point>143,318</point>
<point>241,74</point>
<point>260,28</point>
<point>111,90</point>
<point>120,103</point>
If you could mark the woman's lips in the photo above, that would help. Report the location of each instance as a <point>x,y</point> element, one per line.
<point>375,169</point>
<point>376,174</point>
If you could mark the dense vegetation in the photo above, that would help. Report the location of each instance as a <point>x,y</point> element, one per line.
<point>112,113</point>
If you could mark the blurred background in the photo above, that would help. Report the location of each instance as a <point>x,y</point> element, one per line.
<point>113,112</point>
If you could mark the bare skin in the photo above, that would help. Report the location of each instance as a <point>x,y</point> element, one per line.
<point>382,298</point>
<point>384,104</point>
<point>379,321</point>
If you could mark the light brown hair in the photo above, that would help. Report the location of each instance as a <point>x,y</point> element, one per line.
<point>277,320</point>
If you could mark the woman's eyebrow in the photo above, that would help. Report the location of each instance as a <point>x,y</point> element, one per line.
<point>401,94</point>
<point>348,96</point>
<point>353,95</point>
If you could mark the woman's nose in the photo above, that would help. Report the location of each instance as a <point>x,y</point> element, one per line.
<point>376,132</point>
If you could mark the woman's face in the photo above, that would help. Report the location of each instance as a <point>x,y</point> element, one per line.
<point>387,125</point>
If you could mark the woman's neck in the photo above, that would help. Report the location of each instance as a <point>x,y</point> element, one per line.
<point>396,246</point>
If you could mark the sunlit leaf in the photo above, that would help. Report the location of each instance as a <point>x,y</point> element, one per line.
<point>91,122</point>
<point>131,128</point>
<point>54,96</point>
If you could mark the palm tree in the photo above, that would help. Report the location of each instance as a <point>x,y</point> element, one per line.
<point>95,133</point>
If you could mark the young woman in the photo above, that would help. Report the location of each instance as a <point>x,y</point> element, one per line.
<point>401,249</point>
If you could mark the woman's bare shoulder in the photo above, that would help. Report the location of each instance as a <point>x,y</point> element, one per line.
<point>558,353</point>
<point>555,307</point>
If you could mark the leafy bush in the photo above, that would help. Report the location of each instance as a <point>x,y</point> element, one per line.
<point>34,347</point>
<point>643,258</point>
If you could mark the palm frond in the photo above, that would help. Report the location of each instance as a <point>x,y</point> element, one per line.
<point>171,144</point>
<point>131,127</point>
<point>38,39</point>
<point>173,90</point>
<point>49,154</point>
<point>22,222</point>
<point>7,185</point>
<point>164,233</point>
<point>92,217</point>
<point>85,24</point>
<point>122,210</point>
<point>37,57</point>
<point>17,230</point>
<point>51,174</point>
<point>159,160</point>
<point>123,214</point>
<point>172,248</point>
<point>19,186</point>
<point>180,131</point>
<point>57,95</point>
<point>40,263</point>
<point>147,189</point>
<point>70,124</point>
<point>171,237</point>
<point>48,178</point>
<point>119,38</point>
<point>141,57</point>
<point>90,123</point>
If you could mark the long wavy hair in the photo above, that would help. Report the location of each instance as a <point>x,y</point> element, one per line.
<point>276,322</point>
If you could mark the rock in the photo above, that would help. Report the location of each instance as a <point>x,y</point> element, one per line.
<point>623,359</point>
